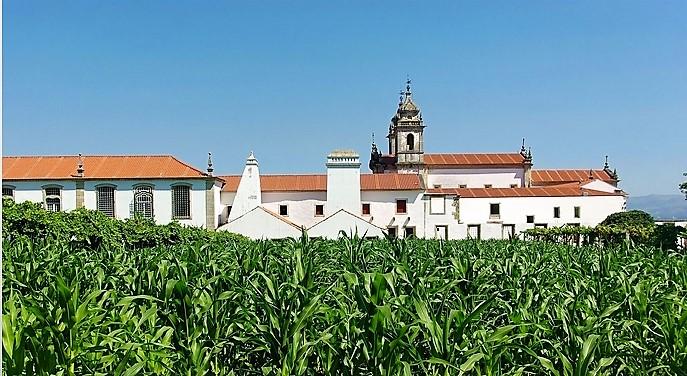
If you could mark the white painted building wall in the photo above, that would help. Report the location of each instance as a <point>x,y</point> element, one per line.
<point>383,210</point>
<point>475,178</point>
<point>300,205</point>
<point>32,190</point>
<point>124,195</point>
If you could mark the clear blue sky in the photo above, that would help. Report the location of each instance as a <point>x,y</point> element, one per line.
<point>294,80</point>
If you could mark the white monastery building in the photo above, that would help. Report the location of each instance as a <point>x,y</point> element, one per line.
<point>407,193</point>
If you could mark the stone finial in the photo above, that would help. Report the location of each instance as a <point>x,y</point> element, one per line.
<point>522,148</point>
<point>408,92</point>
<point>529,154</point>
<point>591,174</point>
<point>251,159</point>
<point>606,166</point>
<point>210,168</point>
<point>79,167</point>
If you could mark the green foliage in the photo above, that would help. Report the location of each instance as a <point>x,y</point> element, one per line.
<point>683,187</point>
<point>209,305</point>
<point>88,228</point>
<point>629,218</point>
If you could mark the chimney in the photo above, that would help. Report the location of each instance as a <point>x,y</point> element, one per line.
<point>343,182</point>
<point>248,194</point>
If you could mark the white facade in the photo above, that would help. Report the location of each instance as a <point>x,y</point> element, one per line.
<point>476,177</point>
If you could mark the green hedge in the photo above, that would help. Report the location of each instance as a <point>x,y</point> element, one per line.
<point>84,228</point>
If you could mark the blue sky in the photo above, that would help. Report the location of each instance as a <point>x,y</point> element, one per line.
<point>294,80</point>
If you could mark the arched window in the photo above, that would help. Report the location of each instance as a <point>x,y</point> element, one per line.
<point>143,201</point>
<point>52,196</point>
<point>8,191</point>
<point>410,141</point>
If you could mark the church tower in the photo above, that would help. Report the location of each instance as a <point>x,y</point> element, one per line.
<point>406,139</point>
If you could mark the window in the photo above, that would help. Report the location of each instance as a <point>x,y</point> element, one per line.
<point>473,231</point>
<point>541,225</point>
<point>283,210</point>
<point>530,219</point>
<point>577,211</point>
<point>319,210</point>
<point>463,186</point>
<point>437,186</point>
<point>437,205</point>
<point>181,202</point>
<point>508,232</point>
<point>410,141</point>
<point>143,201</point>
<point>409,232</point>
<point>557,212</point>
<point>441,232</point>
<point>228,209</point>
<point>401,206</point>
<point>105,200</point>
<point>392,231</point>
<point>487,186</point>
<point>366,209</point>
<point>53,198</point>
<point>513,185</point>
<point>494,211</point>
<point>8,191</point>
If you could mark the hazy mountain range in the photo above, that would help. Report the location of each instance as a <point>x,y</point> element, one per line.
<point>660,206</point>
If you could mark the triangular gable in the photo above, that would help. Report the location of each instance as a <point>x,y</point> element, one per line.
<point>599,185</point>
<point>331,226</point>
<point>261,223</point>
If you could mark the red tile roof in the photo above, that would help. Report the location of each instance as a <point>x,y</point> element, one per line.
<point>521,192</point>
<point>97,167</point>
<point>473,159</point>
<point>314,183</point>
<point>550,177</point>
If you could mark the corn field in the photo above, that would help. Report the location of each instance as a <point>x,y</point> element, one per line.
<point>346,307</point>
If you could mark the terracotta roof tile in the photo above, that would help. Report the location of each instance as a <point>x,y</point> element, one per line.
<point>567,191</point>
<point>473,159</point>
<point>550,177</point>
<point>315,183</point>
<point>97,167</point>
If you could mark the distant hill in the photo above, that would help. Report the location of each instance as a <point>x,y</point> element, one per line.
<point>660,206</point>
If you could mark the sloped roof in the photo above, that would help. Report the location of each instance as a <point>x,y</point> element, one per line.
<point>97,167</point>
<point>473,160</point>
<point>316,183</point>
<point>556,176</point>
<point>563,191</point>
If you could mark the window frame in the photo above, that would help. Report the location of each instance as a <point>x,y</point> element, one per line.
<point>557,212</point>
<point>114,198</point>
<point>137,190</point>
<point>369,209</point>
<point>46,196</point>
<point>493,215</point>
<point>10,187</point>
<point>487,186</point>
<point>479,231</point>
<point>286,207</point>
<point>395,230</point>
<point>322,212</point>
<point>443,228</point>
<point>405,205</point>
<point>438,210</point>
<point>577,211</point>
<point>511,231</point>
<point>527,219</point>
<point>175,186</point>
<point>405,232</point>
<point>462,186</point>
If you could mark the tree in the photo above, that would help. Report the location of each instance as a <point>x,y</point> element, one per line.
<point>629,218</point>
<point>683,186</point>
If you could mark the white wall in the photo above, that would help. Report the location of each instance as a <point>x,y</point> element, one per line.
<point>32,190</point>
<point>514,210</point>
<point>475,178</point>
<point>383,210</point>
<point>124,195</point>
<point>301,205</point>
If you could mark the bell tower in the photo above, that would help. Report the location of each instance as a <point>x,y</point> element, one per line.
<point>406,138</point>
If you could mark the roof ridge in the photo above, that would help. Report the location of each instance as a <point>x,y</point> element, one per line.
<point>88,155</point>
